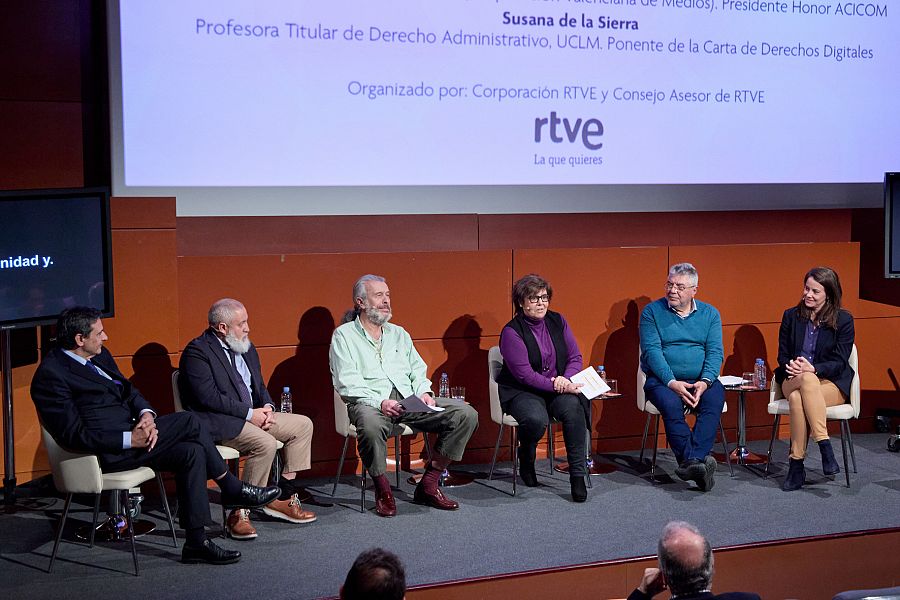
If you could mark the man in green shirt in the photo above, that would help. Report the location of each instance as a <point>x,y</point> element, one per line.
<point>374,366</point>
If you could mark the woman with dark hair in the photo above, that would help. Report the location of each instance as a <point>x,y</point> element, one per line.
<point>814,345</point>
<point>539,356</point>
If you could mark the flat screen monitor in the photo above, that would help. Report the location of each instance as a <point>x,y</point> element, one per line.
<point>892,225</point>
<point>54,253</point>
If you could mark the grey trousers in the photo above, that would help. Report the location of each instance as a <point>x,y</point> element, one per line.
<point>454,426</point>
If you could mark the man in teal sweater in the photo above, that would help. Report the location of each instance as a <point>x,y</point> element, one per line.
<point>681,353</point>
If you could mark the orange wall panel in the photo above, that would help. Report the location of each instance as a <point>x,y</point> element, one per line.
<point>592,230</point>
<point>430,290</point>
<point>142,213</point>
<point>746,293</point>
<point>146,300</point>
<point>202,236</point>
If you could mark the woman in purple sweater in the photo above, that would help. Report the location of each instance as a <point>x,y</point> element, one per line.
<point>539,356</point>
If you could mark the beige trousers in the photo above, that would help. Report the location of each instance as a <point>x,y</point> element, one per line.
<point>258,446</point>
<point>808,397</point>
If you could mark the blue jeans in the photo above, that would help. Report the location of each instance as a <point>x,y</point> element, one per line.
<point>687,444</point>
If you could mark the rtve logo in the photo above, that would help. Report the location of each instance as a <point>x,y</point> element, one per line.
<point>562,129</point>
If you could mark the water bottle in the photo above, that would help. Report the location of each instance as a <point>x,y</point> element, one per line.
<point>602,371</point>
<point>759,374</point>
<point>287,400</point>
<point>444,387</point>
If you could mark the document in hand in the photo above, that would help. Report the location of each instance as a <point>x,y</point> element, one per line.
<point>591,382</point>
<point>414,404</point>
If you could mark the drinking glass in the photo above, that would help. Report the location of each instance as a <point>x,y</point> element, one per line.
<point>613,386</point>
<point>748,379</point>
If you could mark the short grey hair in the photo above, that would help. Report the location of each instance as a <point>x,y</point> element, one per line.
<point>685,268</point>
<point>222,311</point>
<point>684,576</point>
<point>359,291</point>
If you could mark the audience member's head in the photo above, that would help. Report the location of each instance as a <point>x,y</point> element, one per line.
<point>685,558</point>
<point>376,574</point>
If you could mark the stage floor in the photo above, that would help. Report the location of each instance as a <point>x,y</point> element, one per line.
<point>492,533</point>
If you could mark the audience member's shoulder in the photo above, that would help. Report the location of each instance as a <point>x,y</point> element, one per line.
<point>738,596</point>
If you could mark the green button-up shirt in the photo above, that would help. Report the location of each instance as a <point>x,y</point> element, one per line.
<point>363,372</point>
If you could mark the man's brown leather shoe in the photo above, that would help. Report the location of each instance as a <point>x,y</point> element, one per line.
<point>385,506</point>
<point>436,500</point>
<point>238,525</point>
<point>289,510</point>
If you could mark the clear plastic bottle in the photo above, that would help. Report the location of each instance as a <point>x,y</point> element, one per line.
<point>444,387</point>
<point>759,373</point>
<point>602,371</point>
<point>287,405</point>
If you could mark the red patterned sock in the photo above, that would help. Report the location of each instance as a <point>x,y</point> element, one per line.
<point>430,479</point>
<point>382,485</point>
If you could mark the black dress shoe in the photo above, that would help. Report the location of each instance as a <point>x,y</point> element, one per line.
<point>209,553</point>
<point>579,489</point>
<point>251,496</point>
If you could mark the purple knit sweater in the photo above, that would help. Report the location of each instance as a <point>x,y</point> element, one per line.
<point>515,354</point>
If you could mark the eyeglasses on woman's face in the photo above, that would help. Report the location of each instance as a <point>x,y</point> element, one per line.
<point>535,299</point>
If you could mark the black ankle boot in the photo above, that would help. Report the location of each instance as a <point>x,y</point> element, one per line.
<point>795,477</point>
<point>829,464</point>
<point>579,489</point>
<point>526,465</point>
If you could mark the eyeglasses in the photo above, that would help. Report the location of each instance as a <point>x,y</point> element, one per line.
<point>535,299</point>
<point>678,287</point>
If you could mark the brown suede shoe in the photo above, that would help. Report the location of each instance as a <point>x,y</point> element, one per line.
<point>289,510</point>
<point>436,500</point>
<point>238,525</point>
<point>385,506</point>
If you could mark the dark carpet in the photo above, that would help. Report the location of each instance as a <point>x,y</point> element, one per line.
<point>492,532</point>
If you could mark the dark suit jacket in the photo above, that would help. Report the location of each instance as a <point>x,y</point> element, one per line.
<point>832,352</point>
<point>83,410</point>
<point>208,384</point>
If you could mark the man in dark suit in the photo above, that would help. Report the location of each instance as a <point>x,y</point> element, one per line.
<point>685,567</point>
<point>87,405</point>
<point>221,382</point>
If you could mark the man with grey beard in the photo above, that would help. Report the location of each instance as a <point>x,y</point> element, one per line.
<point>221,381</point>
<point>374,366</point>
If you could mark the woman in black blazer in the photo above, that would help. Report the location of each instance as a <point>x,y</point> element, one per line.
<point>814,345</point>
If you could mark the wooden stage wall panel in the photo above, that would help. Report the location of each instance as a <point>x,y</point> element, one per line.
<point>814,569</point>
<point>592,230</point>
<point>429,290</point>
<point>454,304</point>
